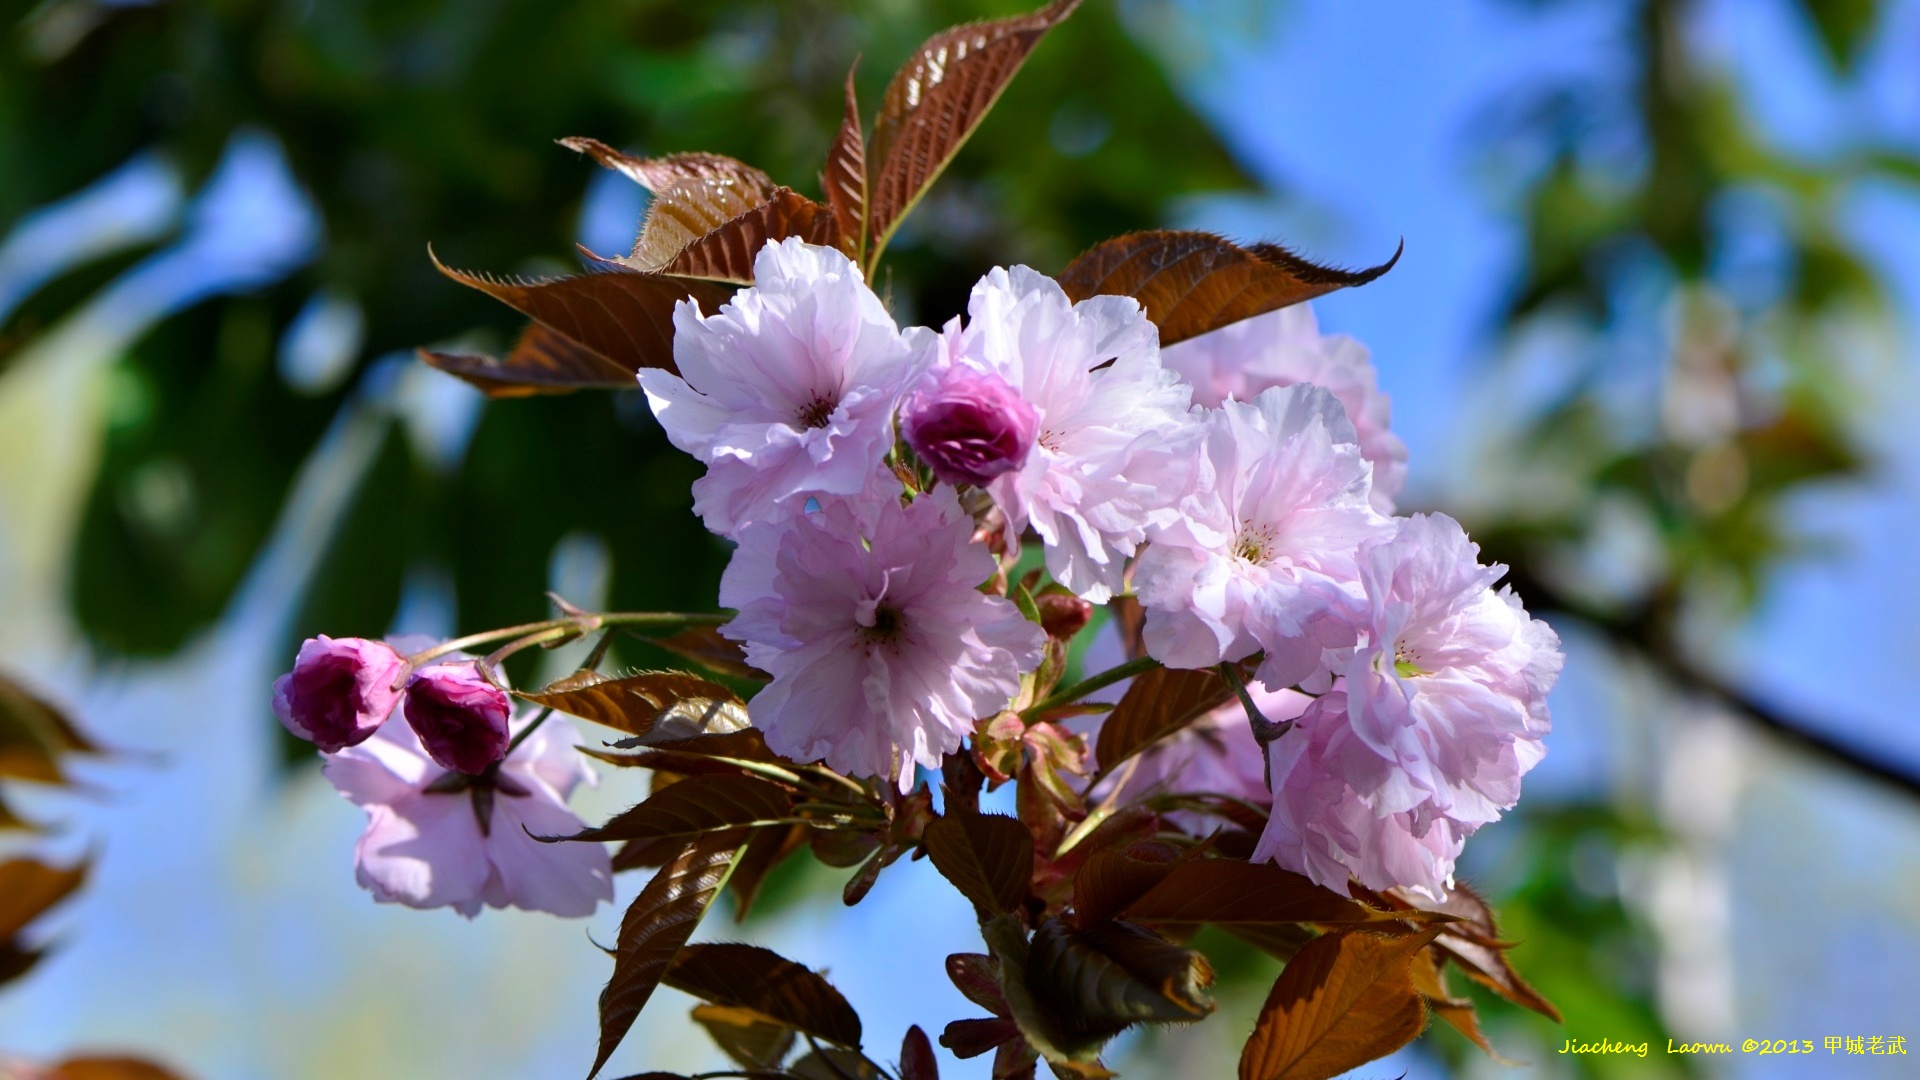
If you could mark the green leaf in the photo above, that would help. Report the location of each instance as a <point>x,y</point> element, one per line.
<point>696,805</point>
<point>655,928</point>
<point>768,984</point>
<point>1344,1000</point>
<point>1160,702</point>
<point>652,704</point>
<point>1193,282</point>
<point>988,857</point>
<point>935,101</point>
<point>1844,26</point>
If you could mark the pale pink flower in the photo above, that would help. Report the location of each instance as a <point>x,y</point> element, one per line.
<point>1263,553</point>
<point>339,692</point>
<point>882,650</point>
<point>1102,467</point>
<point>1285,347</point>
<point>1448,683</point>
<point>788,391</point>
<point>1322,827</point>
<point>428,848</point>
<point>459,715</point>
<point>968,425</point>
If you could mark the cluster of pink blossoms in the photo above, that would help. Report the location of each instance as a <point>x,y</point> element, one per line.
<point>874,479</point>
<point>1238,482</point>
<point>453,800</point>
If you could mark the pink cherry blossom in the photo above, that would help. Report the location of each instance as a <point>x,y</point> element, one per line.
<point>429,848</point>
<point>1102,468</point>
<point>339,692</point>
<point>788,391</point>
<point>1448,685</point>
<point>1322,827</point>
<point>1440,711</point>
<point>968,425</point>
<point>882,650</point>
<point>1264,550</point>
<point>459,715</point>
<point>1285,347</point>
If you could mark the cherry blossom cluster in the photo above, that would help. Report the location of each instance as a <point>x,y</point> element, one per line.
<point>1239,484</point>
<point>879,484</point>
<point>455,787</point>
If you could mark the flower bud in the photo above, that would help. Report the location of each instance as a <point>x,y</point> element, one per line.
<point>968,425</point>
<point>339,692</point>
<point>460,716</point>
<point>1062,614</point>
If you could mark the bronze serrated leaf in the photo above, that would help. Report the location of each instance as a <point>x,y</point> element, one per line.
<point>1343,1000</point>
<point>1193,282</point>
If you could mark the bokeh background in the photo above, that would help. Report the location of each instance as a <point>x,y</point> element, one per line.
<point>1652,340</point>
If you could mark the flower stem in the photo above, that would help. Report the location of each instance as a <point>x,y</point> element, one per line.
<point>584,623</point>
<point>598,654</point>
<point>1097,682</point>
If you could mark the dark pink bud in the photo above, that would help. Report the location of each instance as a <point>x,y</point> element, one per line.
<point>969,426</point>
<point>460,716</point>
<point>339,692</point>
<point>1062,614</point>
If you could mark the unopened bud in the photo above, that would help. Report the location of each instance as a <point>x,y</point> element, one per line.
<point>460,716</point>
<point>339,692</point>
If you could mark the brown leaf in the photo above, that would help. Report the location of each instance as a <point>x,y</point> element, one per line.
<point>1109,881</point>
<point>625,318</point>
<point>1474,944</point>
<point>1160,702</point>
<point>977,978</point>
<point>768,848</point>
<point>1228,892</point>
<point>33,735</point>
<point>655,927</point>
<point>104,1067</point>
<point>1104,979</point>
<point>658,704</point>
<point>750,1039</point>
<point>654,174</point>
<point>935,101</point>
<point>29,887</point>
<point>1430,979</point>
<point>696,805</point>
<point>543,361</point>
<point>916,1056</point>
<point>988,857</point>
<point>704,646</point>
<point>972,1037</point>
<point>1344,1000</point>
<point>16,961</point>
<point>862,882</point>
<point>727,252</point>
<point>1193,282</point>
<point>845,179</point>
<point>1131,619</point>
<point>833,1063</point>
<point>686,210</point>
<point>648,854</point>
<point>785,993</point>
